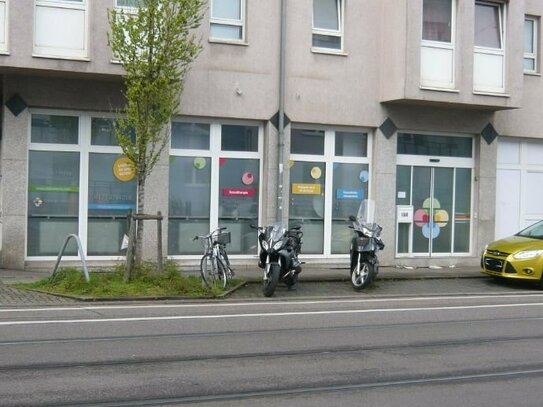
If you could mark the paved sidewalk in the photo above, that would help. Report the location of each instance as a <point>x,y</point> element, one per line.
<point>11,296</point>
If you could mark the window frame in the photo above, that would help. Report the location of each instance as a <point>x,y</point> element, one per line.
<point>241,23</point>
<point>533,56</point>
<point>56,52</point>
<point>330,33</point>
<point>4,46</point>
<point>502,14</point>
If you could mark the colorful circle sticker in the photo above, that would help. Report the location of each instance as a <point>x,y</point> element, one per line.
<point>123,169</point>
<point>247,178</point>
<point>364,176</point>
<point>316,172</point>
<point>199,163</point>
<point>222,161</point>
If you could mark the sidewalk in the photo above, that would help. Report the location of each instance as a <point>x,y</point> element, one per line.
<point>10,296</point>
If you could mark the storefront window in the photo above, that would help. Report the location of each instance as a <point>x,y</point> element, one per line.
<point>329,174</point>
<point>112,194</point>
<point>53,201</point>
<point>214,181</point>
<point>238,202</point>
<point>54,129</point>
<point>190,194</point>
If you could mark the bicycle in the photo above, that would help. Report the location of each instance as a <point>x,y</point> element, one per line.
<point>215,266</point>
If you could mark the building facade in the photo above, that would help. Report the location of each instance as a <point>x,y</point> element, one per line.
<point>428,107</point>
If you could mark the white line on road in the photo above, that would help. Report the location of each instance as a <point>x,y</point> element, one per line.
<point>265,314</point>
<point>291,303</point>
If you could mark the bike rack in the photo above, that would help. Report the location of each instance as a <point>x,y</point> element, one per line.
<point>81,254</point>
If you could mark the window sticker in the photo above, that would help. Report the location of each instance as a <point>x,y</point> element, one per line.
<point>316,172</point>
<point>123,169</point>
<point>247,178</point>
<point>199,163</point>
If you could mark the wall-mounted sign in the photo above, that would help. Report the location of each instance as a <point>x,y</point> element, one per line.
<point>404,213</point>
<point>357,194</point>
<point>123,169</point>
<point>242,192</point>
<point>306,189</point>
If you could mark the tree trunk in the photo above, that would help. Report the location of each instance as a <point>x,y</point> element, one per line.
<point>139,233</point>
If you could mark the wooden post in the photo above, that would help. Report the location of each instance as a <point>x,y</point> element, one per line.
<point>159,241</point>
<point>130,250</point>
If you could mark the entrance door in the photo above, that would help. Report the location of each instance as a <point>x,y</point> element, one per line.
<point>441,201</point>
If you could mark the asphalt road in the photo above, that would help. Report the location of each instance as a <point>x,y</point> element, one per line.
<point>452,348</point>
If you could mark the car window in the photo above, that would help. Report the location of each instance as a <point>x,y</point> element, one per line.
<point>535,231</point>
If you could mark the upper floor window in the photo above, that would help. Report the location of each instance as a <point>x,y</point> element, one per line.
<point>227,20</point>
<point>4,25</point>
<point>328,24</point>
<point>489,24</point>
<point>66,40</point>
<point>128,3</point>
<point>531,34</point>
<point>489,51</point>
<point>437,20</point>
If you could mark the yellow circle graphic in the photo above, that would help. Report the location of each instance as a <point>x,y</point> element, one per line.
<point>316,172</point>
<point>123,169</point>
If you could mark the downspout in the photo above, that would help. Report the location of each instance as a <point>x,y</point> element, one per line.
<point>281,125</point>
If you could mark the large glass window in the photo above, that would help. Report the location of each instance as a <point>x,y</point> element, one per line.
<point>328,24</point>
<point>437,20</point>
<point>53,201</point>
<point>227,21</point>
<point>444,146</point>
<point>66,152</point>
<point>214,181</point>
<point>329,174</point>
<point>531,45</point>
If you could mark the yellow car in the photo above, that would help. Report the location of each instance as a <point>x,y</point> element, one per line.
<point>518,257</point>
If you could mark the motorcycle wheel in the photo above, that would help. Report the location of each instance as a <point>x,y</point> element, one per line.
<point>269,285</point>
<point>361,275</point>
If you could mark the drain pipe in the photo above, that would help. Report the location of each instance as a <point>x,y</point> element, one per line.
<point>281,143</point>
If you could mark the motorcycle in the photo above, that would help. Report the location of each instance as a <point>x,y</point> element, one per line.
<point>364,246</point>
<point>278,256</point>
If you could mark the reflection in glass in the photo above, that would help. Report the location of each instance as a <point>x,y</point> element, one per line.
<point>190,136</point>
<point>462,210</point>
<point>238,202</point>
<point>110,200</point>
<point>189,203</point>
<point>307,203</point>
<point>488,25</point>
<point>350,188</point>
<point>307,142</point>
<point>437,20</point>
<point>53,202</point>
<point>54,129</point>
<point>326,14</point>
<point>351,144</point>
<point>239,138</point>
<point>444,146</point>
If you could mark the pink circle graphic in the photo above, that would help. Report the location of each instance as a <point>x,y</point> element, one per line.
<point>247,178</point>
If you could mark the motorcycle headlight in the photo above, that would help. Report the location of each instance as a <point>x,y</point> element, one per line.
<point>265,245</point>
<point>527,254</point>
<point>367,232</point>
<point>277,245</point>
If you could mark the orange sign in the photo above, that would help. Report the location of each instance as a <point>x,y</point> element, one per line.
<point>123,169</point>
<point>306,189</point>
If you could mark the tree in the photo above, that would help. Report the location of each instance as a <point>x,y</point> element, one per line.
<point>156,45</point>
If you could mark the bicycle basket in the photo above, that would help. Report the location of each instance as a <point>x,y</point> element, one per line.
<point>223,238</point>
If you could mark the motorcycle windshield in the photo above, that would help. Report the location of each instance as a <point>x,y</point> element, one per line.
<point>366,211</point>
<point>275,232</point>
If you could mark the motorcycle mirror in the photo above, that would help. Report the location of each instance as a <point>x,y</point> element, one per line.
<point>352,218</point>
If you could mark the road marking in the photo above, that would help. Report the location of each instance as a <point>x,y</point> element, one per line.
<point>292,302</point>
<point>265,314</point>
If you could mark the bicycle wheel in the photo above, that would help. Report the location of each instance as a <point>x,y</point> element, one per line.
<point>212,272</point>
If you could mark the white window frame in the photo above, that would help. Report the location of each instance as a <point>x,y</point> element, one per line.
<point>498,52</point>
<point>333,33</point>
<point>533,56</point>
<point>4,46</point>
<point>440,47</point>
<point>62,53</point>
<point>228,22</point>
<point>215,153</point>
<point>329,158</point>
<point>84,148</point>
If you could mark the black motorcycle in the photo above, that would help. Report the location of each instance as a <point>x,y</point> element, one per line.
<point>364,247</point>
<point>279,252</point>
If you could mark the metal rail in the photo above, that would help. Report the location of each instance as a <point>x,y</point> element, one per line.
<point>81,254</point>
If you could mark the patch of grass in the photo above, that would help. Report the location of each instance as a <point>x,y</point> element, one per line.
<point>146,282</point>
